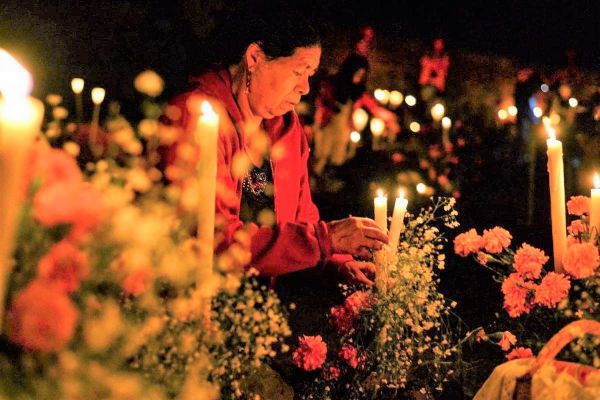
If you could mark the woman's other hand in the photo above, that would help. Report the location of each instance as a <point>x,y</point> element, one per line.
<point>358,272</point>
<point>356,236</point>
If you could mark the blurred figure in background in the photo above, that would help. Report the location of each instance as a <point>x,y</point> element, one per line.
<point>434,71</point>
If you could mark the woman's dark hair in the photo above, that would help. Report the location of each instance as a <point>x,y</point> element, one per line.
<point>343,87</point>
<point>279,30</point>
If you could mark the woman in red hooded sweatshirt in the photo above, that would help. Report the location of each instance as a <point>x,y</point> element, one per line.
<point>257,94</point>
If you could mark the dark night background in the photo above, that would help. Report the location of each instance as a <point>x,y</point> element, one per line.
<point>108,42</point>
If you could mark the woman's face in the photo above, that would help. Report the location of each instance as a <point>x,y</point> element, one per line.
<point>277,85</point>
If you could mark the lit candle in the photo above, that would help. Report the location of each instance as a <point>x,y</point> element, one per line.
<point>396,98</point>
<point>97,98</point>
<point>20,122</point>
<point>206,135</point>
<point>437,112</point>
<point>446,125</point>
<point>377,126</point>
<point>77,85</point>
<point>595,209</point>
<point>557,197</point>
<point>397,225</point>
<point>360,119</point>
<point>381,210</point>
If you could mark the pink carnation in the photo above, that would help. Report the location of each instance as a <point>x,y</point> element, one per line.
<point>482,258</point>
<point>520,352</point>
<point>516,295</point>
<point>578,205</point>
<point>65,265</point>
<point>467,243</point>
<point>349,354</point>
<point>553,288</point>
<point>311,353</point>
<point>529,260</point>
<point>496,239</point>
<point>41,318</point>
<point>507,340</point>
<point>581,260</point>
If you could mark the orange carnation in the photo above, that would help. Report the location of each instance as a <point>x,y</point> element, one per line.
<point>358,302</point>
<point>529,260</point>
<point>576,227</point>
<point>581,260</point>
<point>467,243</point>
<point>79,204</point>
<point>51,166</point>
<point>553,288</point>
<point>516,295</point>
<point>507,340</point>
<point>137,282</point>
<point>65,265</point>
<point>578,205</point>
<point>520,352</point>
<point>496,239</point>
<point>41,318</point>
<point>311,353</point>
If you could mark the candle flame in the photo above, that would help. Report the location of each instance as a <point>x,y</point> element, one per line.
<point>401,193</point>
<point>98,95</point>
<point>421,188</point>
<point>15,81</point>
<point>379,193</point>
<point>354,137</point>
<point>77,85</point>
<point>596,181</point>
<point>359,119</point>
<point>207,109</point>
<point>377,126</point>
<point>549,128</point>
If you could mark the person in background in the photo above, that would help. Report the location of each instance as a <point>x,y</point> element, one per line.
<point>434,71</point>
<point>257,87</point>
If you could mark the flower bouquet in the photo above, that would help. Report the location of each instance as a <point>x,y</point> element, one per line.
<point>393,338</point>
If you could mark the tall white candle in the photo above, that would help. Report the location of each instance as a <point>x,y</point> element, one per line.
<point>381,210</point>
<point>557,198</point>
<point>397,225</point>
<point>77,85</point>
<point>206,135</point>
<point>595,209</point>
<point>97,98</point>
<point>20,122</point>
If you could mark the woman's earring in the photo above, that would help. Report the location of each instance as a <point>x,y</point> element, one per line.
<point>248,80</point>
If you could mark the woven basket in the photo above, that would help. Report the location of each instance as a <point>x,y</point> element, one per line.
<point>523,390</point>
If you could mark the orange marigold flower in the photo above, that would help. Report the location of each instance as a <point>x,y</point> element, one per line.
<point>581,260</point>
<point>311,353</point>
<point>41,318</point>
<point>571,240</point>
<point>65,265</point>
<point>529,260</point>
<point>516,295</point>
<point>576,227</point>
<point>520,352</point>
<point>496,239</point>
<point>467,243</point>
<point>553,288</point>
<point>507,340</point>
<point>578,205</point>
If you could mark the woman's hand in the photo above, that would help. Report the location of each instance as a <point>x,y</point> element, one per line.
<point>356,236</point>
<point>358,272</point>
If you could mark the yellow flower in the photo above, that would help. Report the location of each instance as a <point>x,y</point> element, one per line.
<point>148,127</point>
<point>100,333</point>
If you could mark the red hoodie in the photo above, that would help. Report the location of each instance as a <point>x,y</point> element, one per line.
<point>298,240</point>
